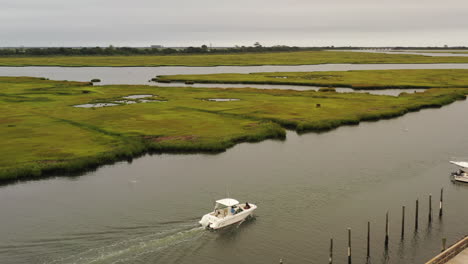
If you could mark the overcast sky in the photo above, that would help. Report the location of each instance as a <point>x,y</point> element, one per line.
<point>229,23</point>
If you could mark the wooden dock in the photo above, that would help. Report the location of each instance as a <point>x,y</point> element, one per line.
<point>456,254</point>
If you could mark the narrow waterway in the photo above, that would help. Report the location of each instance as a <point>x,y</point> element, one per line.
<point>436,53</point>
<point>308,188</point>
<point>142,75</point>
<point>392,92</point>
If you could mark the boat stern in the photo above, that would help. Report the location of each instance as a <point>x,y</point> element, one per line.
<point>207,220</point>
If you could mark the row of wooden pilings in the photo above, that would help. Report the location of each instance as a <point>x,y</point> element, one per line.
<point>403,209</point>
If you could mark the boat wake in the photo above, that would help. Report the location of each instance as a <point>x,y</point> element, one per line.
<point>136,249</point>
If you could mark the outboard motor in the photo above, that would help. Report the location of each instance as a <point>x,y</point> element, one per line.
<point>205,221</point>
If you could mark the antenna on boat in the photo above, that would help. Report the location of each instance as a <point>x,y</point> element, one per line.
<point>227,191</point>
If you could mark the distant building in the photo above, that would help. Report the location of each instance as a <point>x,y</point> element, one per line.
<point>157,46</point>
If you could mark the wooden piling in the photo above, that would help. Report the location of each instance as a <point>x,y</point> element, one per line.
<point>330,259</point>
<point>441,200</point>
<point>349,245</point>
<point>368,241</point>
<point>444,244</point>
<point>386,230</point>
<point>403,222</point>
<point>416,216</point>
<point>430,208</point>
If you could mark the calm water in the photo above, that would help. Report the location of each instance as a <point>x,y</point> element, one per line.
<point>439,53</point>
<point>142,75</point>
<point>308,188</point>
<point>392,92</point>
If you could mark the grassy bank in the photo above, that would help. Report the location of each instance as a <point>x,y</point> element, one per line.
<point>373,79</point>
<point>273,58</point>
<point>43,133</point>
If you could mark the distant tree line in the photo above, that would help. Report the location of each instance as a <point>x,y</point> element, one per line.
<point>204,49</point>
<point>111,50</point>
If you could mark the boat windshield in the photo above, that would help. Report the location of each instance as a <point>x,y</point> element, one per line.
<point>220,206</point>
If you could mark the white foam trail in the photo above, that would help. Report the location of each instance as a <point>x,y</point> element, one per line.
<point>134,248</point>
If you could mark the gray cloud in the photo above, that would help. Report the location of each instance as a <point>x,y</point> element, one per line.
<point>226,23</point>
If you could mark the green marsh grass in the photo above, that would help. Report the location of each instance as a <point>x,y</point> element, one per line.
<point>42,133</point>
<point>368,79</point>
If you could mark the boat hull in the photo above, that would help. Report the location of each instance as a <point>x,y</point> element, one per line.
<point>460,176</point>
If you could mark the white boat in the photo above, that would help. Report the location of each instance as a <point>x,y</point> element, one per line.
<point>461,175</point>
<point>227,211</point>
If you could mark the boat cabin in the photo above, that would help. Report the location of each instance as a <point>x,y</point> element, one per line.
<point>227,211</point>
<point>228,206</point>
